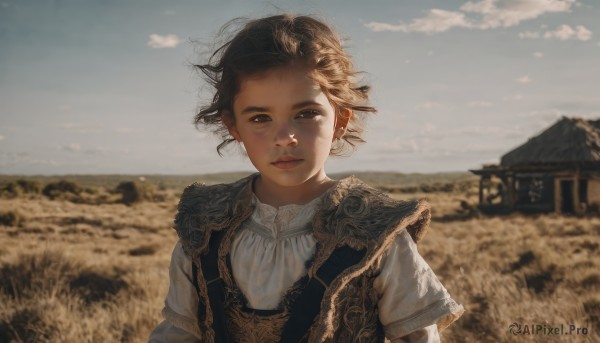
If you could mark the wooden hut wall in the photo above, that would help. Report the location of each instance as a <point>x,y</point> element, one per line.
<point>535,192</point>
<point>567,199</point>
<point>593,193</point>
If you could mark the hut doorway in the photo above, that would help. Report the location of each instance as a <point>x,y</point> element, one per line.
<point>583,196</point>
<point>566,195</point>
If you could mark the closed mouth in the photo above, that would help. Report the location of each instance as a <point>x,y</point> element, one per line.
<point>287,163</point>
<point>287,159</point>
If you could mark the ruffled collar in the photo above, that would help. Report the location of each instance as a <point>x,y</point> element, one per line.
<point>350,213</point>
<point>284,218</point>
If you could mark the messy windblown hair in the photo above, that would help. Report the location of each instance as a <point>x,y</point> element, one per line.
<point>275,41</point>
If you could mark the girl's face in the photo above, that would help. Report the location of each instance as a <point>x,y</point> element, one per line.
<point>287,125</point>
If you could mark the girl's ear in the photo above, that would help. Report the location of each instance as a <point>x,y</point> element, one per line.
<point>341,123</point>
<point>234,132</point>
<point>229,122</point>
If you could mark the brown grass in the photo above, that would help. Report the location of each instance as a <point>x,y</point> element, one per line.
<point>83,272</point>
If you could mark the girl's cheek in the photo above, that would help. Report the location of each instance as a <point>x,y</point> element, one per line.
<point>259,133</point>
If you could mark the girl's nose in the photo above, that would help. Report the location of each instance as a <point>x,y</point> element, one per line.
<point>285,135</point>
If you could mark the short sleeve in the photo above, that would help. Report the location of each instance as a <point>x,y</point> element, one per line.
<point>181,303</point>
<point>428,334</point>
<point>166,332</point>
<point>411,296</point>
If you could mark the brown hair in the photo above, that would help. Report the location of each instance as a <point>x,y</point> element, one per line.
<point>278,40</point>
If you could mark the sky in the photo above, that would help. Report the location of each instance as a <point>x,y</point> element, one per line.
<point>108,87</point>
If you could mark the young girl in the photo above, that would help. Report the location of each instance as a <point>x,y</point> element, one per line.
<point>288,254</point>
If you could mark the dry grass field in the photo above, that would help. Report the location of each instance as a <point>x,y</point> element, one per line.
<point>84,267</point>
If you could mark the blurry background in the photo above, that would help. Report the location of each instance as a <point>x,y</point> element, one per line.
<point>108,87</point>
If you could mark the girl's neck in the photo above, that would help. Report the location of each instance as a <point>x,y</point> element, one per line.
<point>277,195</point>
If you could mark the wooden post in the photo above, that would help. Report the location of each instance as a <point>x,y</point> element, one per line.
<point>513,191</point>
<point>504,194</point>
<point>576,205</point>
<point>481,190</point>
<point>557,194</point>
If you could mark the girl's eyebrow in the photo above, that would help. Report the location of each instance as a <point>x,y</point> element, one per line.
<point>253,109</point>
<point>305,104</point>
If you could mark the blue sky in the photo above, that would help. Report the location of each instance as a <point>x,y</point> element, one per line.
<point>106,86</point>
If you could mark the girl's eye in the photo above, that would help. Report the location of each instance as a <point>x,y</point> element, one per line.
<point>308,114</point>
<point>259,118</point>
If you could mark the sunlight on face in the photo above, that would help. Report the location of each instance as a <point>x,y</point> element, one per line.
<point>286,124</point>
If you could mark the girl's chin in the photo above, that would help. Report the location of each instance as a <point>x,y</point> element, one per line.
<point>288,178</point>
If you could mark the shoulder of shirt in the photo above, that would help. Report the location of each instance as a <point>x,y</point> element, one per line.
<point>205,208</point>
<point>200,194</point>
<point>358,215</point>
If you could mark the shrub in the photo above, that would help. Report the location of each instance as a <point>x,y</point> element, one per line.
<point>10,218</point>
<point>43,272</point>
<point>143,250</point>
<point>592,308</point>
<point>52,273</point>
<point>30,186</point>
<point>11,190</point>
<point>61,188</point>
<point>134,191</point>
<point>92,286</point>
<point>29,325</point>
<point>17,188</point>
<point>49,297</point>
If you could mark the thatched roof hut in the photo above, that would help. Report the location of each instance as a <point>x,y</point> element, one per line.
<point>557,170</point>
<point>570,140</point>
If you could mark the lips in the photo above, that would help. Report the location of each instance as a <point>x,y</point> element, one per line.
<point>287,159</point>
<point>287,162</point>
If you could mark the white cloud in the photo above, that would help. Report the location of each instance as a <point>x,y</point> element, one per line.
<point>539,120</point>
<point>128,130</point>
<point>429,105</point>
<point>81,128</point>
<point>96,151</point>
<point>507,13</point>
<point>524,79</point>
<point>562,32</point>
<point>565,32</point>
<point>170,12</point>
<point>429,128</point>
<point>101,151</point>
<point>480,103</point>
<point>14,160</point>
<point>73,147</point>
<point>547,114</point>
<point>477,131</point>
<point>394,146</point>
<point>538,54</point>
<point>592,115</point>
<point>436,20</point>
<point>529,34</point>
<point>486,14</point>
<point>430,53</point>
<point>1,138</point>
<point>473,130</point>
<point>515,97</point>
<point>69,126</point>
<point>167,41</point>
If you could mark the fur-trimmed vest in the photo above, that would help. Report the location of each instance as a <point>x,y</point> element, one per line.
<point>351,214</point>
